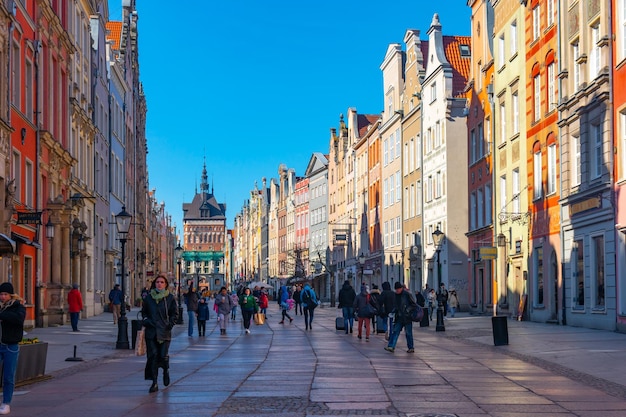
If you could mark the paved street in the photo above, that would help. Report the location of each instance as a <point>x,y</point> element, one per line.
<point>284,370</point>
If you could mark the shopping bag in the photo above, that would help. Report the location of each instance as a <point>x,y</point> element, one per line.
<point>140,343</point>
<point>259,318</point>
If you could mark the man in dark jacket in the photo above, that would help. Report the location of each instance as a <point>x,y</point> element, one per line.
<point>346,302</point>
<point>403,306</point>
<point>192,307</point>
<point>385,306</point>
<point>12,315</point>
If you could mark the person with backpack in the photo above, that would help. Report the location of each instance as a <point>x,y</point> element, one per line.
<point>309,304</point>
<point>364,312</point>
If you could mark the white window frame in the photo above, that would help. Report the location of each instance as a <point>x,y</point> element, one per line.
<point>398,186</point>
<point>515,103</point>
<point>576,168</point>
<point>537,180</point>
<point>550,13</point>
<point>488,204</point>
<point>473,211</point>
<point>577,65</point>
<point>503,194</point>
<point>622,133</point>
<point>552,169</point>
<point>536,23</point>
<point>513,38</point>
<point>537,97</point>
<point>480,214</point>
<point>621,29</point>
<point>598,154</point>
<point>501,43</point>
<point>594,53</point>
<point>552,99</point>
<point>502,122</point>
<point>515,197</point>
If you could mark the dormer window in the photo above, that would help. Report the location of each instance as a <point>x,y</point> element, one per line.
<point>465,50</point>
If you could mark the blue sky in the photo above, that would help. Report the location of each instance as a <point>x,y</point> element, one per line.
<point>251,84</point>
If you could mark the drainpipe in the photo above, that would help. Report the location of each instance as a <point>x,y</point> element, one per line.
<point>560,135</point>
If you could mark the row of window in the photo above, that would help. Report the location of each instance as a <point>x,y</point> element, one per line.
<point>391,189</point>
<point>392,147</point>
<point>413,200</point>
<point>392,232</point>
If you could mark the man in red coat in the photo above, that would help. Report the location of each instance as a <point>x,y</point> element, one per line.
<point>75,301</point>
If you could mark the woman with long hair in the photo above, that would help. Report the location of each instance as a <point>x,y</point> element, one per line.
<point>160,313</point>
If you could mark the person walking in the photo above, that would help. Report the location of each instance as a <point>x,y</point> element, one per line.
<point>264,302</point>
<point>160,313</point>
<point>12,316</point>
<point>309,304</point>
<point>442,297</point>
<point>375,301</point>
<point>385,307</point>
<point>297,298</point>
<point>75,304</point>
<point>432,302</point>
<point>403,306</point>
<point>364,309</point>
<point>192,307</point>
<point>346,304</point>
<point>453,302</point>
<point>249,306</point>
<point>115,300</point>
<point>233,306</point>
<point>283,296</point>
<point>225,305</point>
<point>202,314</point>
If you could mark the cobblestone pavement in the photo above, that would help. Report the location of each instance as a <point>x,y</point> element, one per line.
<point>285,370</point>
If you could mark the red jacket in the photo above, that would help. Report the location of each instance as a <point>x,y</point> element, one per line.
<point>75,301</point>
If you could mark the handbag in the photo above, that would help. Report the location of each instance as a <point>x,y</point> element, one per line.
<point>259,318</point>
<point>140,343</point>
<point>368,311</point>
<point>418,314</point>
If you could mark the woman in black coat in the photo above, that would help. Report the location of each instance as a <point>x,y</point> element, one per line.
<point>160,313</point>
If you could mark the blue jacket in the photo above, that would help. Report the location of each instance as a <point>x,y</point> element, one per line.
<point>303,295</point>
<point>203,309</point>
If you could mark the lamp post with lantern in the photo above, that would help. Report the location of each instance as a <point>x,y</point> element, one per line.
<point>362,263</point>
<point>178,253</point>
<point>438,236</point>
<point>123,221</point>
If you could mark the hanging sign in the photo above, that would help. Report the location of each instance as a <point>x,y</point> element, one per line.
<point>29,217</point>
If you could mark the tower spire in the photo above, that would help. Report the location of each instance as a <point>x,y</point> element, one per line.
<point>204,185</point>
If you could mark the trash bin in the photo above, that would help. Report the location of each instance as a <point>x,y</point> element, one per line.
<point>135,325</point>
<point>500,330</point>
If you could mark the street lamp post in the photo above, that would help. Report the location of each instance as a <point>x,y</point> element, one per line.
<point>198,265</point>
<point>178,253</point>
<point>438,236</point>
<point>123,220</point>
<point>362,263</point>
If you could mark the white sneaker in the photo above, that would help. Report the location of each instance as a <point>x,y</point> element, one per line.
<point>5,409</point>
<point>247,331</point>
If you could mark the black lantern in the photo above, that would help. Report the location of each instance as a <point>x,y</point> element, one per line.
<point>123,221</point>
<point>178,253</point>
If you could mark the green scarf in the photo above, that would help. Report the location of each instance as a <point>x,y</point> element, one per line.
<point>158,295</point>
